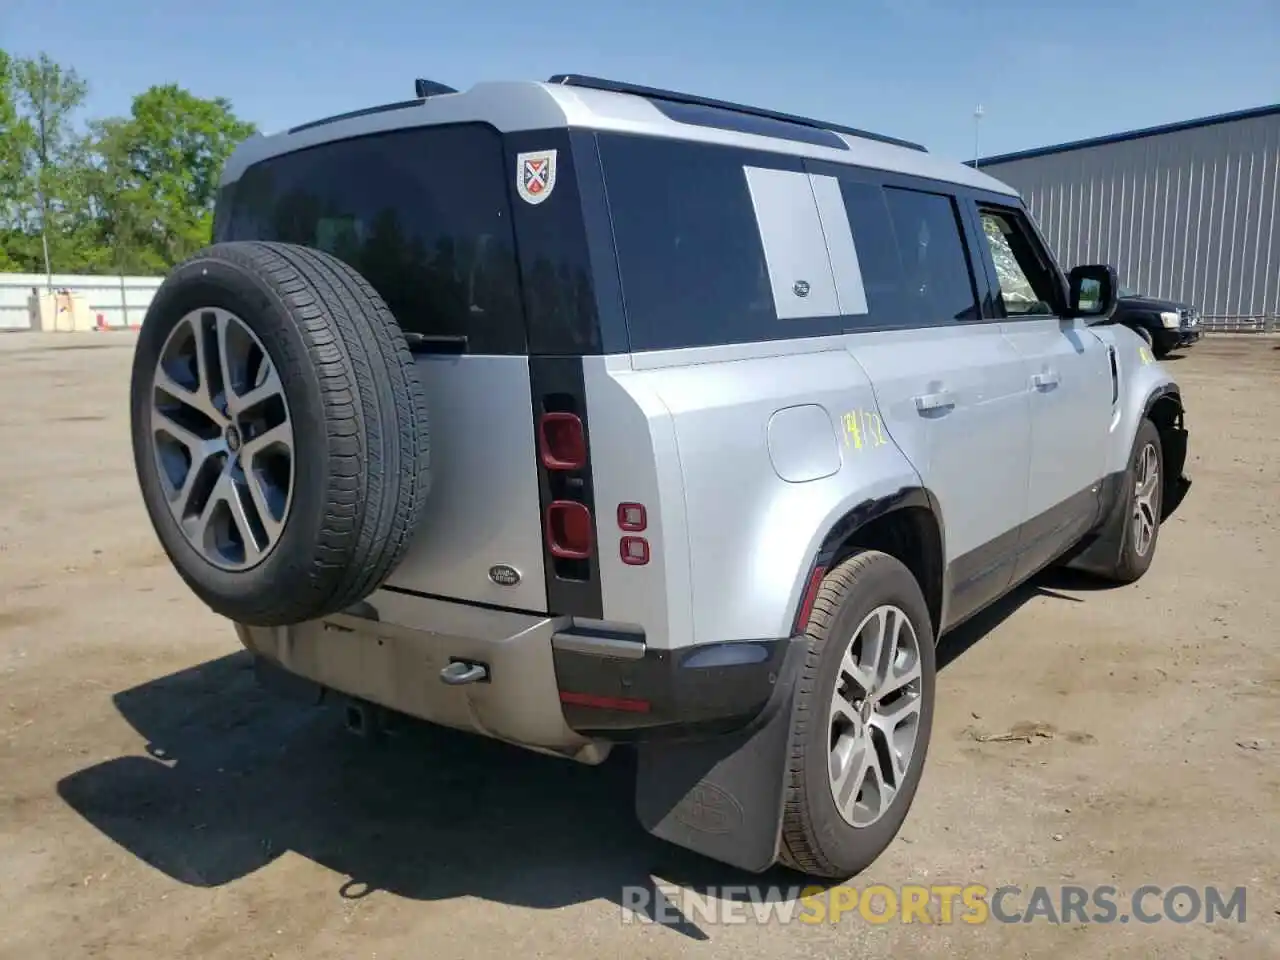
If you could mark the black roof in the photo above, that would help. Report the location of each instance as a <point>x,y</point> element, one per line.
<point>1218,118</point>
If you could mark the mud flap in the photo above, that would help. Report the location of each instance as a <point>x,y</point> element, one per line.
<point>1174,442</point>
<point>722,796</point>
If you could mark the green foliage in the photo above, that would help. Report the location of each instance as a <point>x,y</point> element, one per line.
<point>129,194</point>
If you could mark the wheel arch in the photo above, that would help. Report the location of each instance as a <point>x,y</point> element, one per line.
<point>1164,409</point>
<point>907,525</point>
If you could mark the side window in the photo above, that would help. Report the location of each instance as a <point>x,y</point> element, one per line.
<point>878,257</point>
<point>687,220</point>
<point>689,252</point>
<point>938,282</point>
<point>1026,287</point>
<point>422,214</point>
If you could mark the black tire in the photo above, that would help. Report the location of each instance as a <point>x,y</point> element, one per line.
<point>358,415</point>
<point>1146,336</point>
<point>1130,565</point>
<point>816,839</point>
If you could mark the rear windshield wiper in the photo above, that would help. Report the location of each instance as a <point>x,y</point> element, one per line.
<point>423,343</point>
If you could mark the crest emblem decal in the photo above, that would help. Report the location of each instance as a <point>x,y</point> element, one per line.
<point>535,175</point>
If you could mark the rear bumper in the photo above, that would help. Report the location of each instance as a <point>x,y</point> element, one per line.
<point>620,690</point>
<point>393,650</point>
<point>554,684</point>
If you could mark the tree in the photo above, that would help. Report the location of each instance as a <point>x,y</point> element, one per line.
<point>126,214</point>
<point>132,194</point>
<point>49,94</point>
<point>163,164</point>
<point>15,144</point>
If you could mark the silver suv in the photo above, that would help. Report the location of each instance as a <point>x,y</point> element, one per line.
<point>732,415</point>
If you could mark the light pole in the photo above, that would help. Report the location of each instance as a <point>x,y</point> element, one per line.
<point>977,120</point>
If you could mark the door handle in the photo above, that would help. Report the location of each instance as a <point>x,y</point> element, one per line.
<point>1045,381</point>
<point>930,402</point>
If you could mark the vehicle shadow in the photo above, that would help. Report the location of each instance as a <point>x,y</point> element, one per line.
<point>234,777</point>
<point>1049,583</point>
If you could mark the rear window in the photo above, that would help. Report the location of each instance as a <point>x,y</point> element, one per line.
<point>422,214</point>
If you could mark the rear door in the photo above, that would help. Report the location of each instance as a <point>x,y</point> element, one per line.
<point>1067,372</point>
<point>425,215</point>
<point>949,386</point>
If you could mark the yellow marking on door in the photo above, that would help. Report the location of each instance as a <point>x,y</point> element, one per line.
<point>875,429</point>
<point>852,430</point>
<point>863,428</point>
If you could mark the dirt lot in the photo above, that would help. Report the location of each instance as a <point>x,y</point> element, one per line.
<point>154,803</point>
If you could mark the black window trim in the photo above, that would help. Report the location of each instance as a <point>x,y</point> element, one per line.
<point>972,242</point>
<point>1017,215</point>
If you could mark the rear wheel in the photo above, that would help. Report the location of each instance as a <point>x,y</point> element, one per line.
<point>279,431</point>
<point>864,712</point>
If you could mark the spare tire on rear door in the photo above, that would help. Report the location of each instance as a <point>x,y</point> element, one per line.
<point>279,431</point>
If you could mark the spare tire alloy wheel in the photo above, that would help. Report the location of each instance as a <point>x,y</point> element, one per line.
<point>279,432</point>
<point>223,439</point>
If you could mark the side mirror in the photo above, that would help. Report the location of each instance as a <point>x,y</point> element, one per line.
<point>1093,291</point>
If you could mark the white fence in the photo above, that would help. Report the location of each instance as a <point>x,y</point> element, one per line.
<point>118,301</point>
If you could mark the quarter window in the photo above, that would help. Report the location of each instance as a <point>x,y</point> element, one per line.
<point>689,251</point>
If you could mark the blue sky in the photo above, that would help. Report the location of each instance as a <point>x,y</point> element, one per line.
<point>1045,71</point>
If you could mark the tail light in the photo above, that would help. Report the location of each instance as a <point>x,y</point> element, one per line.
<point>566,492</point>
<point>562,441</point>
<point>634,551</point>
<point>633,518</point>
<point>569,530</point>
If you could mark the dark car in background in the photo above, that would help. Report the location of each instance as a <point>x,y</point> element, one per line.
<point>1164,324</point>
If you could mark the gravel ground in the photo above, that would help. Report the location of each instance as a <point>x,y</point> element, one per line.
<point>154,802</point>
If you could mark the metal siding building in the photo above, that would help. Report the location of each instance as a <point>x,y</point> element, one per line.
<point>1186,211</point>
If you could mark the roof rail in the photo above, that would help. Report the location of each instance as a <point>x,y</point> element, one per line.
<point>671,96</point>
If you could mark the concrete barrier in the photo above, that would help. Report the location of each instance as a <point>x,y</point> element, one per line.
<point>29,301</point>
